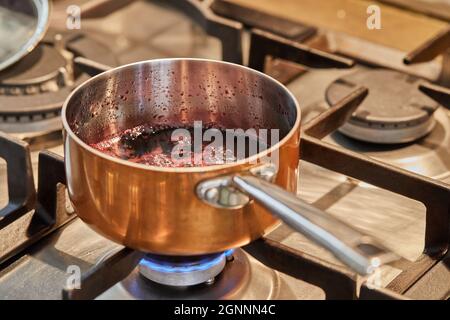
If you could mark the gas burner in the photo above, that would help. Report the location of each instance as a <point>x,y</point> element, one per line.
<point>44,69</point>
<point>33,90</point>
<point>183,271</point>
<point>241,277</point>
<point>429,156</point>
<point>395,111</point>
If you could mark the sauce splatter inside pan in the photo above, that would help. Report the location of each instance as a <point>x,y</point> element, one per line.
<point>163,148</point>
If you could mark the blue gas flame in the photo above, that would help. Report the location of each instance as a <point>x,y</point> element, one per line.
<point>166,267</point>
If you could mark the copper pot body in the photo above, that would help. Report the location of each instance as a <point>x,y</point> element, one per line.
<point>154,209</point>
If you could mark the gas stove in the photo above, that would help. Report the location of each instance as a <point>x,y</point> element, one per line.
<point>375,153</point>
<point>33,90</point>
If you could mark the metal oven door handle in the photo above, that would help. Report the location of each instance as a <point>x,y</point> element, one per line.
<point>357,250</point>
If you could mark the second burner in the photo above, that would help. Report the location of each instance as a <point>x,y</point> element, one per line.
<point>395,111</point>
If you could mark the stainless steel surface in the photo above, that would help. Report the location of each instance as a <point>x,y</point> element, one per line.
<point>34,89</point>
<point>398,223</point>
<point>429,156</point>
<point>429,50</point>
<point>42,272</point>
<point>435,8</point>
<point>242,278</point>
<point>222,193</point>
<point>387,136</point>
<point>148,30</point>
<point>22,25</point>
<point>46,69</point>
<point>28,130</point>
<point>434,285</point>
<point>356,250</point>
<point>387,115</point>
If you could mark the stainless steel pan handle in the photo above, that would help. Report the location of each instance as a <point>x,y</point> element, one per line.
<point>357,250</point>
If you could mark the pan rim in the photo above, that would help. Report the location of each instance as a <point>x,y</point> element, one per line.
<point>197,169</point>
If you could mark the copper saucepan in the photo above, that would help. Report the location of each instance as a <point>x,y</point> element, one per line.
<point>194,210</point>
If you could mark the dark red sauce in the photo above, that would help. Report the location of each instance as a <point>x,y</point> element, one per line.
<point>156,147</point>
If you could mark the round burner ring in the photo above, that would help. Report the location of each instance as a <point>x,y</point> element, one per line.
<point>395,111</point>
<point>43,70</point>
<point>182,271</point>
<point>34,89</point>
<point>239,279</point>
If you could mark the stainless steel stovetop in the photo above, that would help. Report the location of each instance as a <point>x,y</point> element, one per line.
<point>145,30</point>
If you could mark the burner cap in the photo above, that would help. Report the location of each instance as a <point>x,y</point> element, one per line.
<point>33,90</point>
<point>39,71</point>
<point>395,111</point>
<point>182,271</point>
